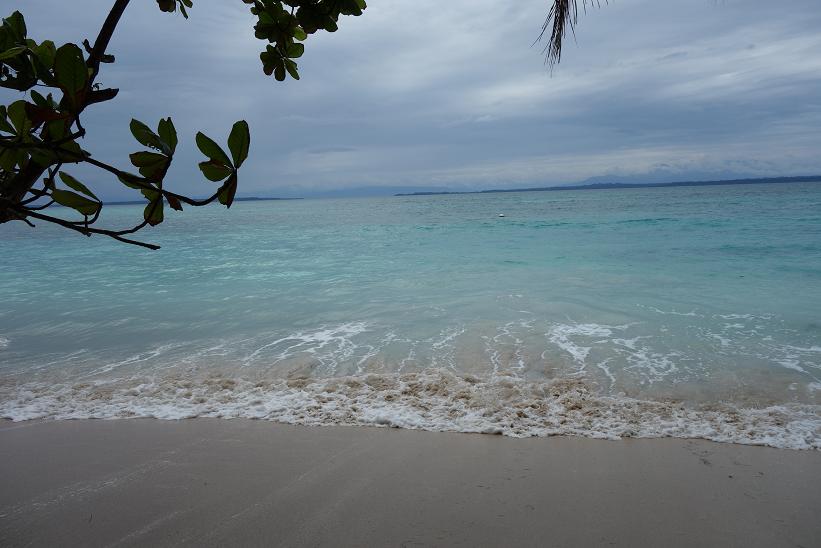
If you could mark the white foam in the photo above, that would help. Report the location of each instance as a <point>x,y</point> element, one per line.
<point>497,348</point>
<point>798,358</point>
<point>654,366</point>
<point>670,312</point>
<point>630,343</point>
<point>562,334</point>
<point>4,342</point>
<point>790,364</point>
<point>432,400</point>
<point>723,340</point>
<point>373,351</point>
<point>444,347</point>
<point>131,360</point>
<point>603,367</point>
<point>746,316</point>
<point>802,349</point>
<point>330,346</point>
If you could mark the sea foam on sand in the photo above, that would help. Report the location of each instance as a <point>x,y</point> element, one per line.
<point>435,400</point>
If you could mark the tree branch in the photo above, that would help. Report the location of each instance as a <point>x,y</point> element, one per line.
<point>87,231</point>
<point>147,184</point>
<point>104,37</point>
<point>23,181</point>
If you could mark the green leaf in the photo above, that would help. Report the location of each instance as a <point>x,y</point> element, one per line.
<point>18,116</point>
<point>290,66</point>
<point>55,130</point>
<point>153,212</point>
<point>170,6</point>
<point>143,159</point>
<point>146,136</point>
<point>9,159</point>
<point>295,50</point>
<point>45,53</point>
<point>39,100</point>
<point>239,141</point>
<point>168,134</point>
<point>70,69</point>
<point>17,24</point>
<point>215,171</point>
<point>167,6</point>
<point>211,149</point>
<point>151,193</point>
<point>76,202</point>
<point>185,4</point>
<point>74,184</point>
<point>13,52</point>
<point>131,181</point>
<point>39,115</point>
<point>44,157</point>
<point>174,203</point>
<point>150,164</point>
<point>228,191</point>
<point>5,126</point>
<point>271,59</point>
<point>72,151</point>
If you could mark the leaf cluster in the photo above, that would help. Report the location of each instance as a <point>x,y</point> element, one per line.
<point>170,6</point>
<point>41,132</point>
<point>285,24</point>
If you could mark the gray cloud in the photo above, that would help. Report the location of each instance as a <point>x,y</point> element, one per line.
<point>419,92</point>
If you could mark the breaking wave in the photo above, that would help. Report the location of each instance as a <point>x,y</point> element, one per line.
<point>435,400</point>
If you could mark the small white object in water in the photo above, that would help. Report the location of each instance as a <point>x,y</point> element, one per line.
<point>501,214</point>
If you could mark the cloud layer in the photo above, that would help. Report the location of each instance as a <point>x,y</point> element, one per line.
<point>452,94</point>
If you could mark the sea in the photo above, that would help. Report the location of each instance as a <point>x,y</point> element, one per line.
<point>689,312</point>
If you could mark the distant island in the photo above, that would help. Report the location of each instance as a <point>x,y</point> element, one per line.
<point>605,186</point>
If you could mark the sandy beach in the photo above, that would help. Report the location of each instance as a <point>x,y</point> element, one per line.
<point>253,483</point>
<point>424,281</point>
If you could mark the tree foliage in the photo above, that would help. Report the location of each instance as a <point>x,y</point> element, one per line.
<point>41,133</point>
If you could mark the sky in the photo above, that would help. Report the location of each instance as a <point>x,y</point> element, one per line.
<point>426,94</point>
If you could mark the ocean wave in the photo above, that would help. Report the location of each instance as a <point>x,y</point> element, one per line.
<point>435,400</point>
<point>329,345</point>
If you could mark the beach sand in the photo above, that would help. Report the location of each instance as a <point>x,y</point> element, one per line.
<point>217,483</point>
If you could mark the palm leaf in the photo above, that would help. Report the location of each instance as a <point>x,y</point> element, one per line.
<point>563,15</point>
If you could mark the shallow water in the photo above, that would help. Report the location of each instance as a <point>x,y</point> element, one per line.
<point>699,305</point>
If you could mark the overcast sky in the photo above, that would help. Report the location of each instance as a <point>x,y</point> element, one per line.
<point>426,93</point>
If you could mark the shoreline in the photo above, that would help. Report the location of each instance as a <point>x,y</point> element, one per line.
<point>433,401</point>
<point>209,482</point>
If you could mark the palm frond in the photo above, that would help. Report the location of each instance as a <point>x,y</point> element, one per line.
<point>563,15</point>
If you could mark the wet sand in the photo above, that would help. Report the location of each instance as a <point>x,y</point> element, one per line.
<point>251,483</point>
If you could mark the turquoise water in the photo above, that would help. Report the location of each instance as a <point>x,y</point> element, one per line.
<point>668,310</point>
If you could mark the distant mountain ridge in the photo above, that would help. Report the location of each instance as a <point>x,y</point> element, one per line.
<point>604,186</point>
